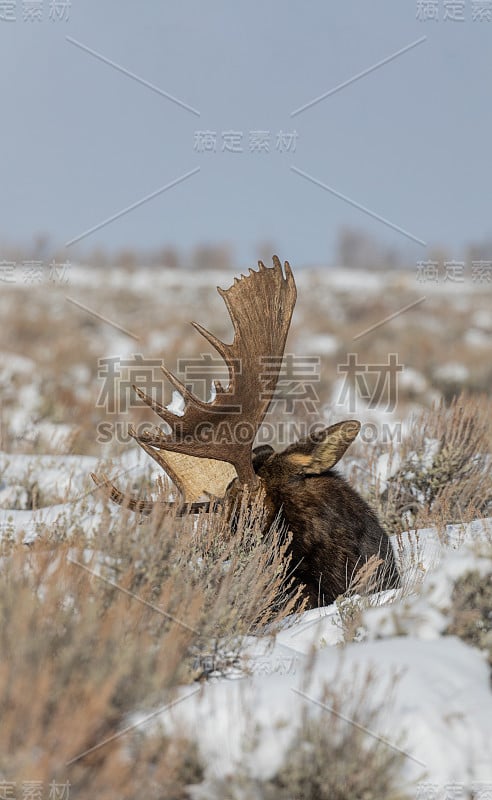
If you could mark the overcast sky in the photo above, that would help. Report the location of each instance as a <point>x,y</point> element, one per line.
<point>408,143</point>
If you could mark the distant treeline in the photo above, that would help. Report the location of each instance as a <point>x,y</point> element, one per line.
<point>354,248</point>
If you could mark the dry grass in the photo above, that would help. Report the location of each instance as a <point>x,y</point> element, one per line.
<point>361,593</point>
<point>444,474</point>
<point>471,610</point>
<point>65,342</point>
<point>76,658</point>
<point>331,758</point>
<point>79,654</point>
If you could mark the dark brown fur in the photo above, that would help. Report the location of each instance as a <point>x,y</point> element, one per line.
<point>334,531</point>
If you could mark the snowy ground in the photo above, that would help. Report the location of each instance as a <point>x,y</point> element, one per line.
<point>440,713</point>
<point>441,710</point>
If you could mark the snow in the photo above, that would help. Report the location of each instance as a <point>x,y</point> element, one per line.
<point>483,319</point>
<point>59,477</point>
<point>386,423</point>
<point>412,379</point>
<point>13,496</point>
<point>320,344</point>
<point>13,366</point>
<point>477,338</point>
<point>62,471</point>
<point>441,708</point>
<point>177,404</point>
<point>386,467</point>
<point>441,703</point>
<point>452,372</point>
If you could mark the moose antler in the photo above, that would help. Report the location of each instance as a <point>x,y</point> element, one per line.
<point>260,306</point>
<point>209,451</point>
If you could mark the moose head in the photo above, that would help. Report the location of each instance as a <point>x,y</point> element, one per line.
<point>210,449</point>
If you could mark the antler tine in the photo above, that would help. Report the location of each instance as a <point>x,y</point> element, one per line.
<point>122,499</point>
<point>211,339</point>
<point>168,416</point>
<point>146,507</point>
<point>159,409</point>
<point>260,306</point>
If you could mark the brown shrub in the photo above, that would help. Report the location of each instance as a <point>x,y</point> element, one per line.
<point>335,755</point>
<point>445,475</point>
<point>87,639</point>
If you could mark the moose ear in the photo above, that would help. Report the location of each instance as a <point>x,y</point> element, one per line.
<point>332,445</point>
<point>260,455</point>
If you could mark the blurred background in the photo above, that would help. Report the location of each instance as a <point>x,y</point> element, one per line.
<point>104,104</point>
